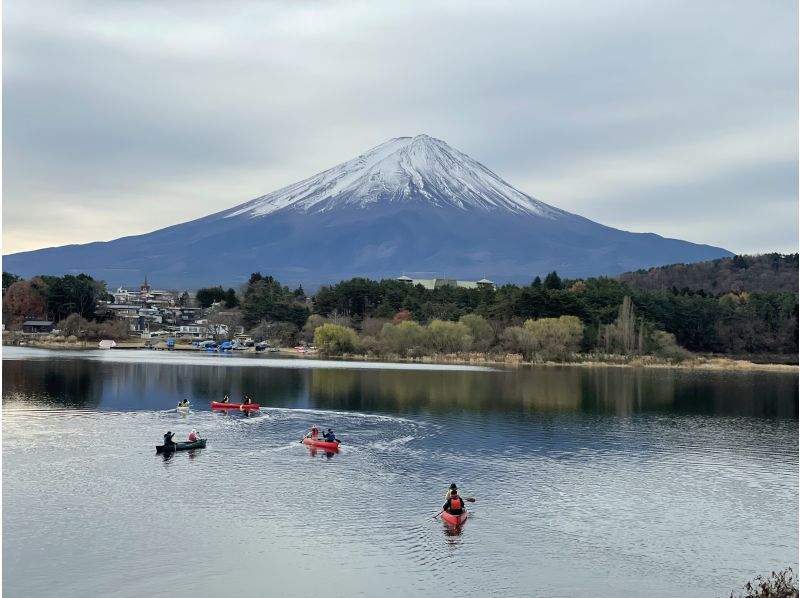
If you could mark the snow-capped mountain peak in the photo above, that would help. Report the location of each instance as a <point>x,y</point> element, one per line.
<point>404,169</point>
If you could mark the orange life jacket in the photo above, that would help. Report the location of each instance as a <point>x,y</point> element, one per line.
<point>456,504</point>
<point>314,433</point>
<point>192,437</point>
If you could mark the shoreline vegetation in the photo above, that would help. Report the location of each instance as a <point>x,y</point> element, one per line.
<point>508,360</point>
<point>550,321</point>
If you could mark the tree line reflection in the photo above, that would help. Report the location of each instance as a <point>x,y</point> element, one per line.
<point>614,391</point>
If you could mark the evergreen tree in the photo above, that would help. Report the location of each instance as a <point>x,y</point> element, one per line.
<point>207,296</point>
<point>231,300</point>
<point>552,281</point>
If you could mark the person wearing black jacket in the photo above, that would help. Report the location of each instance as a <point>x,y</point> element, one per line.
<point>454,505</point>
<point>168,439</point>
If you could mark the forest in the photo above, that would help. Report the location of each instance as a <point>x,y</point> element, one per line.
<point>548,319</point>
<point>727,323</point>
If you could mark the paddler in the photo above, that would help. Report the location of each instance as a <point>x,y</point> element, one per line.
<point>329,436</point>
<point>450,490</point>
<point>247,400</point>
<point>227,399</point>
<point>168,439</point>
<point>314,433</point>
<point>193,435</point>
<point>454,505</point>
<point>184,403</point>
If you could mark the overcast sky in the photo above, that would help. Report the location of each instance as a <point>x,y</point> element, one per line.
<point>679,118</point>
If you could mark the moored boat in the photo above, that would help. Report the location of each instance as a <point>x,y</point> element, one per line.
<point>181,446</point>
<point>454,519</point>
<point>218,405</point>
<point>323,444</point>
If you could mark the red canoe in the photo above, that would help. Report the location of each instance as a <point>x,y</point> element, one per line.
<point>331,446</point>
<point>216,405</point>
<point>454,519</point>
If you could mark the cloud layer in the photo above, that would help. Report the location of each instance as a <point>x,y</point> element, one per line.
<point>678,118</point>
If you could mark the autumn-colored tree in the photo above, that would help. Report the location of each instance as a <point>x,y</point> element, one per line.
<point>24,300</point>
<point>401,316</point>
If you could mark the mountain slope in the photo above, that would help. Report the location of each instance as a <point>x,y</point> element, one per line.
<point>770,272</point>
<point>411,205</point>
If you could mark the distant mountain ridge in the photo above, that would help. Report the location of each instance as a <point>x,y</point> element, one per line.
<point>741,273</point>
<point>410,205</point>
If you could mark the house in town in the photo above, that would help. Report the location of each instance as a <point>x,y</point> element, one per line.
<point>37,326</point>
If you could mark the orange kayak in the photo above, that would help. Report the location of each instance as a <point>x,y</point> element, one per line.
<point>217,405</point>
<point>454,519</point>
<point>323,444</point>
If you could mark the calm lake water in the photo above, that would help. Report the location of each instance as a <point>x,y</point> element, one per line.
<point>601,482</point>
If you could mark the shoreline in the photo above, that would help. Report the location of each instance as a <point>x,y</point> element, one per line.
<point>703,363</point>
<point>715,363</point>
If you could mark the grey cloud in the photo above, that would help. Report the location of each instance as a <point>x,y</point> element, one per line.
<point>189,108</point>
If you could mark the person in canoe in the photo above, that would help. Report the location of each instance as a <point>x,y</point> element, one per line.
<point>227,399</point>
<point>450,490</point>
<point>193,435</point>
<point>247,400</point>
<point>329,436</point>
<point>314,433</point>
<point>454,505</point>
<point>168,439</point>
<point>184,403</point>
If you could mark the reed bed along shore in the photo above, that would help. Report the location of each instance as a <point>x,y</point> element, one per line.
<point>698,362</point>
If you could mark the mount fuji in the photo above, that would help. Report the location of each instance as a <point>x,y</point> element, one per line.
<point>412,205</point>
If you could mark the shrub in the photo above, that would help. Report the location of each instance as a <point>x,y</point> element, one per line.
<point>778,585</point>
<point>555,338</point>
<point>406,338</point>
<point>335,340</point>
<point>663,344</point>
<point>368,344</point>
<point>480,330</point>
<point>448,337</point>
<point>519,340</point>
<point>307,333</point>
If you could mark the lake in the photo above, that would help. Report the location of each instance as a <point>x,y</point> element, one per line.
<point>588,481</point>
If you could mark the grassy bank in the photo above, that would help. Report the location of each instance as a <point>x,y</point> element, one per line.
<point>713,362</point>
<point>717,363</point>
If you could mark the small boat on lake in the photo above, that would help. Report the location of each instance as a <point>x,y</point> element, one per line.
<point>218,405</point>
<point>323,444</point>
<point>200,443</point>
<point>454,519</point>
